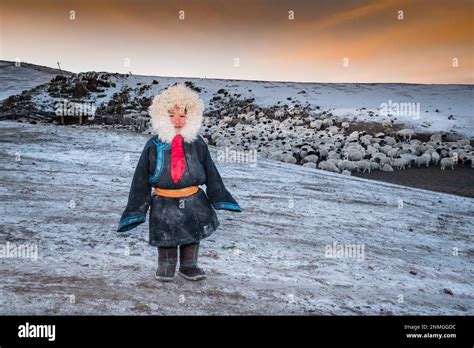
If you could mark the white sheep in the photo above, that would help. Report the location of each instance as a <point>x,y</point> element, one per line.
<point>353,155</point>
<point>393,153</point>
<point>311,158</point>
<point>288,158</point>
<point>384,167</point>
<point>423,159</point>
<point>328,122</point>
<point>448,162</point>
<point>329,166</point>
<point>406,134</point>
<point>363,165</point>
<point>435,157</point>
<point>346,165</point>
<point>279,113</point>
<point>436,138</point>
<point>409,159</point>
<point>345,125</point>
<point>462,142</point>
<point>390,140</point>
<point>316,124</point>
<point>398,163</point>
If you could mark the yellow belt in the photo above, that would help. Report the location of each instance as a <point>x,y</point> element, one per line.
<point>183,192</point>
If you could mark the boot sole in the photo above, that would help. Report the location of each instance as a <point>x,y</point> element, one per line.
<point>164,279</point>
<point>201,277</point>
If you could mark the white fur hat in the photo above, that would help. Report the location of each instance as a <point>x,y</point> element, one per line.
<point>184,97</point>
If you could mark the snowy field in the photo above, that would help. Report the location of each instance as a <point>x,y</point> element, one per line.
<point>16,79</point>
<point>63,190</point>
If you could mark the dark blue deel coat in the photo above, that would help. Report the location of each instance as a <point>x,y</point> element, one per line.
<point>176,221</point>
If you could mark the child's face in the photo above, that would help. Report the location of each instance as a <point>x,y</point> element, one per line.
<point>178,118</point>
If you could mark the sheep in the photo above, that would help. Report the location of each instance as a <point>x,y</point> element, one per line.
<point>409,159</point>
<point>448,162</point>
<point>329,166</point>
<point>385,149</point>
<point>279,113</point>
<point>310,165</point>
<point>393,153</point>
<point>462,142</point>
<point>345,125</point>
<point>379,156</point>
<point>444,151</point>
<point>386,167</point>
<point>366,141</point>
<point>423,159</point>
<point>316,124</point>
<point>354,136</point>
<point>435,157</point>
<point>333,130</point>
<point>421,148</point>
<point>389,140</point>
<point>346,165</point>
<point>288,159</point>
<point>465,157</point>
<point>407,149</point>
<point>353,155</point>
<point>334,155</point>
<point>323,152</point>
<point>374,165</point>
<point>363,165</point>
<point>311,159</point>
<point>371,150</point>
<point>328,122</point>
<point>436,138</point>
<point>276,155</point>
<point>398,163</point>
<point>406,134</point>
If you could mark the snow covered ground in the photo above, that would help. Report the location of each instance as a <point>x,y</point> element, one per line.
<point>63,189</point>
<point>15,79</point>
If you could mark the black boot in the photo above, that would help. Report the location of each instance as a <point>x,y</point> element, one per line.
<point>188,268</point>
<point>167,260</point>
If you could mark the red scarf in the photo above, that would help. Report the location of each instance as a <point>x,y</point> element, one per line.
<point>178,163</point>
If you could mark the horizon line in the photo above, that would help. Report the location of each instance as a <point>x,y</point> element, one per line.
<point>244,80</point>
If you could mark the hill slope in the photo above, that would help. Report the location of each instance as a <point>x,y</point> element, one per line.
<point>67,189</point>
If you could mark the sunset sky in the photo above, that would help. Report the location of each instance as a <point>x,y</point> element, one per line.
<point>258,35</point>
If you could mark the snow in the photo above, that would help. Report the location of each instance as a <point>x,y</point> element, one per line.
<point>70,185</point>
<point>15,79</point>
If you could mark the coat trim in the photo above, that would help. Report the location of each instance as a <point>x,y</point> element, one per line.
<point>227,206</point>
<point>160,159</point>
<point>131,222</point>
<point>184,97</point>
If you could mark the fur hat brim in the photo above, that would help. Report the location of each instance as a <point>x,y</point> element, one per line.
<point>183,97</point>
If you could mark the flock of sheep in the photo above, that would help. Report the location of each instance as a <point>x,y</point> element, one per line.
<point>318,141</point>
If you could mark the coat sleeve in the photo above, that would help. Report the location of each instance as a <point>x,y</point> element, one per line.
<point>218,195</point>
<point>139,198</point>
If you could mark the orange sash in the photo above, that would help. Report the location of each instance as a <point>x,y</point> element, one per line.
<point>183,192</point>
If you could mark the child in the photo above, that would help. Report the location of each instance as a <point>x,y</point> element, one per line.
<point>173,164</point>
